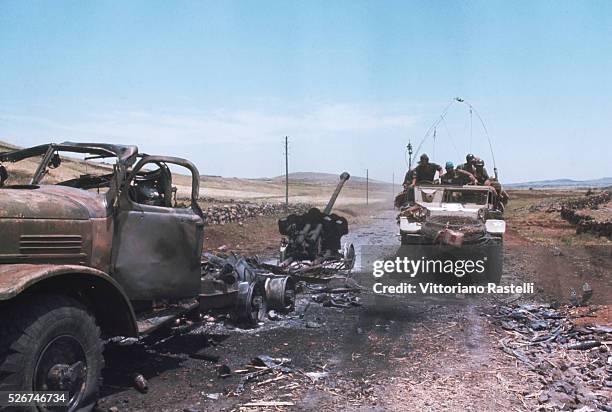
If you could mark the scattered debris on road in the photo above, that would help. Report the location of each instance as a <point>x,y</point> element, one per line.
<point>140,383</point>
<point>266,290</point>
<point>572,362</point>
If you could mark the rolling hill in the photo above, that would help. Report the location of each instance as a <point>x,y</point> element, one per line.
<point>563,183</point>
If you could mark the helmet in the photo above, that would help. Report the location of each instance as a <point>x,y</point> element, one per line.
<point>479,163</point>
<point>449,165</point>
<point>424,158</point>
<point>470,158</point>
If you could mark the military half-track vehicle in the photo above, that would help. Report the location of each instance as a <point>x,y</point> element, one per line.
<point>92,257</point>
<point>453,221</point>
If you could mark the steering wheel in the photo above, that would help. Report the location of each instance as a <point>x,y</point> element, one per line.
<point>165,184</point>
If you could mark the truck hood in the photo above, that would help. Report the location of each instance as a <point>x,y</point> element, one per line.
<point>51,202</point>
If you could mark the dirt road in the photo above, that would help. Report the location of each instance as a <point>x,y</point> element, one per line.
<point>391,353</point>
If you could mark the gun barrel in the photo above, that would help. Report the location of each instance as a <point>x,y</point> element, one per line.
<point>343,178</point>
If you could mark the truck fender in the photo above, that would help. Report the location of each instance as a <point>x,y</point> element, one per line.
<point>94,288</point>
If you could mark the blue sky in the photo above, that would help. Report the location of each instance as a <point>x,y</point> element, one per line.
<point>350,82</point>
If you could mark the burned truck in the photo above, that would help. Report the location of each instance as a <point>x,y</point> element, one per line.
<point>89,256</point>
<point>455,222</point>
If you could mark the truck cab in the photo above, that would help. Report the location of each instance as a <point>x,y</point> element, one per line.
<point>90,250</point>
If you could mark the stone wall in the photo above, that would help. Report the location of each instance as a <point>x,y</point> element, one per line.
<point>220,214</point>
<point>570,211</point>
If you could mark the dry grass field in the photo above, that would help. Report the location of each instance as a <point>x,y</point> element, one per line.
<point>532,215</point>
<point>311,188</point>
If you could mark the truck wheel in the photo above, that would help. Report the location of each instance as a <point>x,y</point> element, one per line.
<point>495,262</point>
<point>51,343</point>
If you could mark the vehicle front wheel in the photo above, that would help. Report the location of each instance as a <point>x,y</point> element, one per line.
<point>51,343</point>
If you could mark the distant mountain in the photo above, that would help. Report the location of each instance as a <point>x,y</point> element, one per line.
<point>560,183</point>
<point>7,147</point>
<point>324,177</point>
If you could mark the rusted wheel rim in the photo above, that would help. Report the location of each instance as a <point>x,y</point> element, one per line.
<point>62,366</point>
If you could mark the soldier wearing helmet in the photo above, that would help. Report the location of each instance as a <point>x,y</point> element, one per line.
<point>424,172</point>
<point>502,197</point>
<point>468,166</point>
<point>481,173</point>
<point>455,176</point>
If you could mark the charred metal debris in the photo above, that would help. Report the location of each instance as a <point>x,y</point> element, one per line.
<point>310,254</point>
<point>264,290</point>
<point>113,254</point>
<point>569,359</point>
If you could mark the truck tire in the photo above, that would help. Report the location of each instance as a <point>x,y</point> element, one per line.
<point>51,343</point>
<point>495,262</point>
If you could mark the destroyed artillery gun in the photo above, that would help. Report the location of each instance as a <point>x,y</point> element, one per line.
<point>310,253</point>
<point>315,236</point>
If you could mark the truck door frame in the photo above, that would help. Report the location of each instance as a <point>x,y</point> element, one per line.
<point>156,249</point>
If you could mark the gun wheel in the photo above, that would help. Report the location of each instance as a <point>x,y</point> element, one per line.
<point>251,304</point>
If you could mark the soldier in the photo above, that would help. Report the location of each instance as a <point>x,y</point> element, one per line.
<point>502,195</point>
<point>424,171</point>
<point>457,176</point>
<point>470,159</point>
<point>481,173</point>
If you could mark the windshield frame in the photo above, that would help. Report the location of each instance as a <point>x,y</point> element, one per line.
<point>125,155</point>
<point>438,194</point>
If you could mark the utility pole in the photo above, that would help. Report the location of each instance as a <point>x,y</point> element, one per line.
<point>367,188</point>
<point>287,172</point>
<point>393,183</point>
<point>409,147</point>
